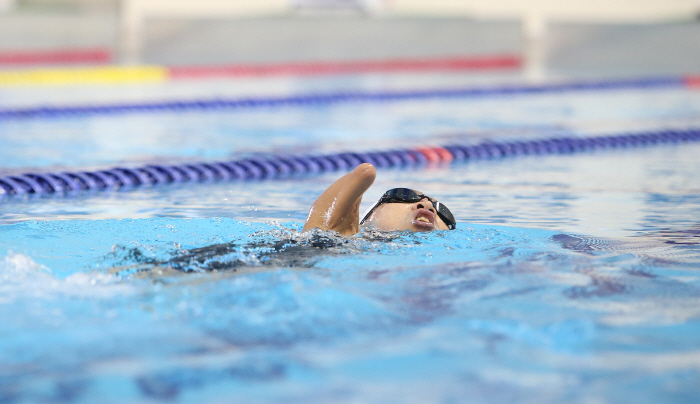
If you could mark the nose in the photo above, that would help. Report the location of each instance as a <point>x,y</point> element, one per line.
<point>424,204</point>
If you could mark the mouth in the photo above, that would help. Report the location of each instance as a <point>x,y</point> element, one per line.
<point>424,219</point>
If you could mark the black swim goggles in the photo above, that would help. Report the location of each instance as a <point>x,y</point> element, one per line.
<point>405,195</point>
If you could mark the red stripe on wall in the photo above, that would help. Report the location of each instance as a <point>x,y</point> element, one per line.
<point>372,66</point>
<point>61,56</point>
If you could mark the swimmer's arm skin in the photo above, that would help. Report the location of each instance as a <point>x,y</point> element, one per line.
<point>338,207</point>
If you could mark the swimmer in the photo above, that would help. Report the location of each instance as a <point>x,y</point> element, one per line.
<point>338,207</point>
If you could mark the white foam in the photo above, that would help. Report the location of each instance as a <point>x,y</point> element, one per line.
<point>22,277</point>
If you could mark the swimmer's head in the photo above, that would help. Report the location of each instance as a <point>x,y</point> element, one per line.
<point>406,209</point>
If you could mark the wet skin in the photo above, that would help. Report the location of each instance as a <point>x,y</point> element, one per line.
<point>419,216</point>
<point>337,208</point>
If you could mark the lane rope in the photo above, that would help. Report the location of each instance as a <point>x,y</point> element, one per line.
<point>289,166</point>
<point>338,97</point>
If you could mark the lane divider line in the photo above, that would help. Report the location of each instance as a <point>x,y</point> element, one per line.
<point>289,166</point>
<point>346,67</point>
<point>56,56</point>
<point>95,75</point>
<point>121,74</point>
<point>331,98</point>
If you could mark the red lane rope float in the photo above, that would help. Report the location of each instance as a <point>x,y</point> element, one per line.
<point>60,56</point>
<point>367,66</point>
<point>436,154</point>
<point>692,81</point>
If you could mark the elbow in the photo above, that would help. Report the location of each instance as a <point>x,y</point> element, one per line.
<point>366,172</point>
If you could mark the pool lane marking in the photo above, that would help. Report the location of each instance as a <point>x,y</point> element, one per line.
<point>123,74</point>
<point>315,99</point>
<point>93,75</point>
<point>289,166</point>
<point>347,67</point>
<point>56,56</point>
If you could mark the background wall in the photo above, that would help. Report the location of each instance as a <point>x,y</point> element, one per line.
<point>155,32</point>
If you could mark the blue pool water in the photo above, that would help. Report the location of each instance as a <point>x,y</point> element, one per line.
<point>569,278</point>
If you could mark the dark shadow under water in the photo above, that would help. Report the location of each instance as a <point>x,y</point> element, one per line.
<point>666,248</point>
<point>294,250</point>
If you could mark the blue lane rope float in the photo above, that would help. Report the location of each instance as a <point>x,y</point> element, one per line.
<point>282,167</point>
<point>336,98</point>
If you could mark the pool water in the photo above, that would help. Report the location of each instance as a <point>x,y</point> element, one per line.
<point>568,279</point>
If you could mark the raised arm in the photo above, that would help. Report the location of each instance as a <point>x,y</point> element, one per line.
<point>338,207</point>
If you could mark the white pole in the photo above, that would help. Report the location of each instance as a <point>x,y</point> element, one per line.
<point>6,5</point>
<point>130,36</point>
<point>534,30</point>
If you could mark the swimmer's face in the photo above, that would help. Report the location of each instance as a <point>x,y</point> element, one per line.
<point>418,216</point>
